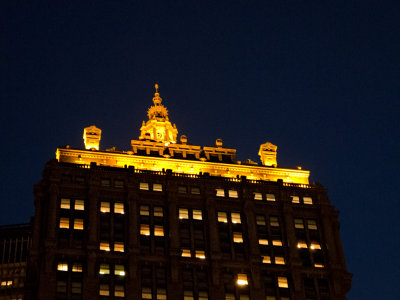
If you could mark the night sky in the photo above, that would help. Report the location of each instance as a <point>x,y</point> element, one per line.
<point>319,80</point>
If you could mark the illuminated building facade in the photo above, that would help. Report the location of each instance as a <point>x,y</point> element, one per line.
<point>15,241</point>
<point>172,220</point>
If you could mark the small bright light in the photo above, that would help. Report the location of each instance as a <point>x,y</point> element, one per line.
<point>241,282</point>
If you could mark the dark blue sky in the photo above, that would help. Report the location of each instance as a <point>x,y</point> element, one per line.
<point>320,80</point>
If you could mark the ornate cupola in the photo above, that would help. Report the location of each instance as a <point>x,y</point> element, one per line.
<point>158,127</point>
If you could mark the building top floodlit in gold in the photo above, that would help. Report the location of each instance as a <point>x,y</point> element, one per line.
<point>158,149</point>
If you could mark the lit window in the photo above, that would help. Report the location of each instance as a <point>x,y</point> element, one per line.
<point>195,190</point>
<point>302,245</point>
<point>257,196</point>
<point>182,189</point>
<point>282,282</point>
<point>119,208</point>
<point>229,296</point>
<point>78,224</point>
<point>104,269</point>
<point>318,265</point>
<point>158,211</point>
<point>76,287</point>
<point>158,230</point>
<point>220,192</point>
<point>144,229</point>
<point>274,221</point>
<point>65,203</point>
<point>104,290</point>
<point>233,194</point>
<point>104,246</point>
<point>105,207</point>
<point>77,267</point>
<point>64,223</point>
<point>298,223</point>
<point>222,217</point>
<point>277,243</point>
<point>266,259</point>
<point>260,220</point>
<point>242,279</point>
<point>197,214</point>
<point>161,294</point>
<point>9,282</point>
<point>203,295</point>
<point>272,298</point>
<point>279,260</point>
<point>146,293</point>
<point>105,182</point>
<point>271,197</point>
<point>79,205</point>
<point>144,210</point>
<point>295,199</point>
<point>188,295</point>
<point>119,183</point>
<point>235,218</point>
<point>157,187</point>
<point>237,237</point>
<point>119,270</point>
<point>200,254</point>
<point>307,200</point>
<point>119,247</point>
<point>63,266</point>
<point>315,245</point>
<point>144,186</point>
<point>186,253</point>
<point>119,291</point>
<point>263,241</point>
<point>312,224</point>
<point>183,213</point>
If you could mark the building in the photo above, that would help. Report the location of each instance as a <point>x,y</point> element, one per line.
<point>172,220</point>
<point>14,245</point>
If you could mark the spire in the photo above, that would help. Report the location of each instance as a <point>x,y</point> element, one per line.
<point>157,99</point>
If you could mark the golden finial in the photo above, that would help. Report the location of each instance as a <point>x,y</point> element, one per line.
<point>156,86</point>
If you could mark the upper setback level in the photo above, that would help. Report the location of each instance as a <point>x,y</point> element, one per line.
<point>158,149</point>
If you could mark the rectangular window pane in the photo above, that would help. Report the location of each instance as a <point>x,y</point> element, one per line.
<point>119,208</point>
<point>105,207</point>
<point>260,220</point>
<point>195,190</point>
<point>257,196</point>
<point>295,199</point>
<point>222,217</point>
<point>299,223</point>
<point>236,218</point>
<point>104,290</point>
<point>277,243</point>
<point>104,269</point>
<point>282,282</point>
<point>233,194</point>
<point>77,267</point>
<point>200,254</point>
<point>186,253</point>
<point>237,237</point>
<point>271,197</point>
<point>161,294</point>
<point>78,224</point>
<point>61,287</point>
<point>105,182</point>
<point>105,246</point>
<point>242,279</point>
<point>144,210</point>
<point>158,230</point>
<point>182,189</point>
<point>76,288</point>
<point>119,247</point>
<point>183,213</point>
<point>119,183</point>
<point>144,186</point>
<point>274,221</point>
<point>263,241</point>
<point>157,187</point>
<point>119,291</point>
<point>158,211</point>
<point>302,245</point>
<point>220,192</point>
<point>62,266</point>
<point>144,229</point>
<point>312,224</point>
<point>119,270</point>
<point>266,259</point>
<point>307,200</point>
<point>79,205</point>
<point>64,223</point>
<point>197,214</point>
<point>65,203</point>
<point>279,260</point>
<point>146,293</point>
